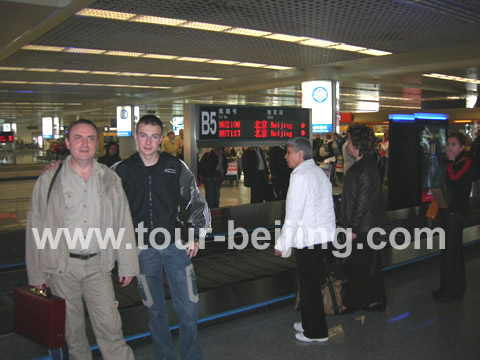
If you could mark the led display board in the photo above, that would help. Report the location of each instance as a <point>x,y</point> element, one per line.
<point>245,124</point>
<point>6,137</point>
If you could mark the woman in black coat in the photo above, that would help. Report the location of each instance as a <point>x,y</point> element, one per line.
<point>362,208</point>
<point>456,191</point>
<point>112,154</point>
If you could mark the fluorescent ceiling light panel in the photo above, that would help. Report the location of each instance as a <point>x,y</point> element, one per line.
<point>123,53</point>
<point>249,64</point>
<point>157,20</point>
<point>247,32</point>
<point>303,40</point>
<point>185,77</point>
<point>9,68</point>
<point>346,47</point>
<point>41,82</point>
<point>84,51</point>
<point>41,70</point>
<point>452,78</point>
<point>160,75</point>
<point>43,48</point>
<point>104,73</point>
<point>277,67</point>
<point>318,43</point>
<point>71,71</point>
<point>130,74</point>
<point>159,56</point>
<point>283,37</point>
<point>399,106</point>
<point>105,14</point>
<point>374,52</point>
<point>12,82</point>
<point>191,58</point>
<point>204,26</point>
<point>222,62</point>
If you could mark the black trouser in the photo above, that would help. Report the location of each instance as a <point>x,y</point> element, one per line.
<point>365,281</point>
<point>311,276</point>
<point>452,265</point>
<point>258,190</point>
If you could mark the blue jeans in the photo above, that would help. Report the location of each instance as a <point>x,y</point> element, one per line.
<point>184,296</point>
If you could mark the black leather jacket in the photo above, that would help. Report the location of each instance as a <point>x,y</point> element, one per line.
<point>362,206</point>
<point>164,195</point>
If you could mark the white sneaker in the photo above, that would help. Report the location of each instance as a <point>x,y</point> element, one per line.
<point>303,338</point>
<point>298,326</point>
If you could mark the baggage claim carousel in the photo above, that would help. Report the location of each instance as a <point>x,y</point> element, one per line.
<point>230,282</point>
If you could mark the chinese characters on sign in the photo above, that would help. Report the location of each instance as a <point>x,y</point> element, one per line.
<point>252,123</point>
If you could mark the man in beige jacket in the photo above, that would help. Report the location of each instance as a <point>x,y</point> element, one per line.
<point>82,201</point>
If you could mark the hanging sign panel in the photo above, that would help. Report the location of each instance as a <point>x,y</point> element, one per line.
<point>47,127</point>
<point>124,121</point>
<point>6,137</point>
<point>244,124</point>
<point>317,95</point>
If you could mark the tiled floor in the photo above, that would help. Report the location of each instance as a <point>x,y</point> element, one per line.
<point>413,327</point>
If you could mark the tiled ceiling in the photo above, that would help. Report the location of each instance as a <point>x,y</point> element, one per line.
<point>424,36</point>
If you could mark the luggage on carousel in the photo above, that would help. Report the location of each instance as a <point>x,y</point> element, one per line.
<point>39,317</point>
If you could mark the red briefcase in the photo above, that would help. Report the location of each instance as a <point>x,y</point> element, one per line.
<point>40,318</point>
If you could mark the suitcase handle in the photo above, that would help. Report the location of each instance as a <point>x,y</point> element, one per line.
<point>41,292</point>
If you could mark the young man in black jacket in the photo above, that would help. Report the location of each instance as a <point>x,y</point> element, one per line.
<point>164,199</point>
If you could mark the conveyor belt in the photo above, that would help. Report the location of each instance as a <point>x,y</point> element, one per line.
<point>226,279</point>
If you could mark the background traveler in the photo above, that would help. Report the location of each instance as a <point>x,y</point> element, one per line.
<point>456,191</point>
<point>362,208</point>
<point>112,154</point>
<point>213,167</point>
<point>309,206</point>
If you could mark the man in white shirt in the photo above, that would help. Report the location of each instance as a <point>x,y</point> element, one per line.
<point>309,222</point>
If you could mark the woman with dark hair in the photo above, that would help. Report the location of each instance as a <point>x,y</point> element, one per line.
<point>112,154</point>
<point>362,209</point>
<point>456,191</point>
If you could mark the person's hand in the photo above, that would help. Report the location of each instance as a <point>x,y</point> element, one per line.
<point>192,250</point>
<point>354,236</point>
<point>51,166</point>
<point>124,281</point>
<point>278,252</point>
<point>40,287</point>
